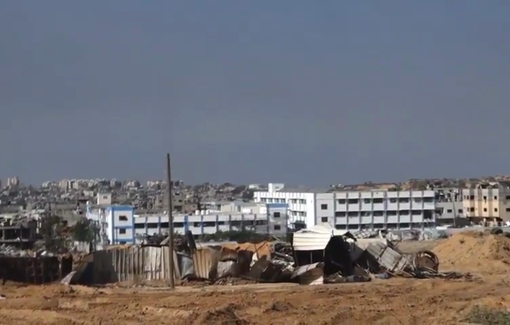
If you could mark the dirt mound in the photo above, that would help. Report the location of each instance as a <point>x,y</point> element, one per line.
<point>475,252</point>
<point>223,315</point>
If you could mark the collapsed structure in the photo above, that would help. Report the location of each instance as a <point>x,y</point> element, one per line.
<point>315,256</point>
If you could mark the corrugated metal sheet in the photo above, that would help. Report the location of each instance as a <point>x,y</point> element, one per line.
<point>310,274</point>
<point>315,238</point>
<point>358,247</point>
<point>387,257</point>
<point>133,263</point>
<point>310,241</point>
<point>205,260</point>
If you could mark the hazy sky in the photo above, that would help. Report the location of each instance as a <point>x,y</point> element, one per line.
<point>303,92</point>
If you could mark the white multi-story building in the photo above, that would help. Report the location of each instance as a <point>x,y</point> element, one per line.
<point>265,219</point>
<point>376,209</point>
<point>119,224</point>
<point>301,202</point>
<point>116,223</point>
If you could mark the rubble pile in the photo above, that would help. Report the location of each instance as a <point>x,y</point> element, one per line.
<point>314,257</point>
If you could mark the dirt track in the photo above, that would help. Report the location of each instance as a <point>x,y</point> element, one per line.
<point>394,301</point>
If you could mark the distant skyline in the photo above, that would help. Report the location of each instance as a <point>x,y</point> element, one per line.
<point>295,91</point>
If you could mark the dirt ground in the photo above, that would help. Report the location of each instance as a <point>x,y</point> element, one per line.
<point>393,301</point>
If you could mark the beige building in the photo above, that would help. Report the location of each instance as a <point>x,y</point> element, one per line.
<point>487,200</point>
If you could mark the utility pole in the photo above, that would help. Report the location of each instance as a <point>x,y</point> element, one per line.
<point>170,222</point>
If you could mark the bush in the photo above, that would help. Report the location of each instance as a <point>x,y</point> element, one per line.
<point>485,315</point>
<point>237,236</point>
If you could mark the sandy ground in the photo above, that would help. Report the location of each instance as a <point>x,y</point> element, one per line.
<point>393,301</point>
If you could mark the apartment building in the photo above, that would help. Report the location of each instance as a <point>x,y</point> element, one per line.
<point>116,223</point>
<point>270,219</point>
<point>301,202</point>
<point>119,224</point>
<point>487,200</point>
<point>376,209</point>
<point>449,207</point>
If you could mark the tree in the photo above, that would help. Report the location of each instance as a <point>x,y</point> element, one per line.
<point>85,230</point>
<point>52,232</point>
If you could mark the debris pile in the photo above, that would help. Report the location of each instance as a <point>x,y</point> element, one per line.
<point>315,256</point>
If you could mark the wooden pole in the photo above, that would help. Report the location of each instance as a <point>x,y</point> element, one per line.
<point>170,223</point>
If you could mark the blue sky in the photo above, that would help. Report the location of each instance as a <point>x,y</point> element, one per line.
<point>254,91</point>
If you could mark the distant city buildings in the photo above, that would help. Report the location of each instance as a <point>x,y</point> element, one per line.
<point>411,204</point>
<point>13,182</point>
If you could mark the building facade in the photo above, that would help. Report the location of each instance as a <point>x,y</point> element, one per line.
<point>116,223</point>
<point>487,200</point>
<point>271,219</point>
<point>449,206</point>
<point>301,202</point>
<point>104,198</point>
<point>376,209</point>
<point>119,225</point>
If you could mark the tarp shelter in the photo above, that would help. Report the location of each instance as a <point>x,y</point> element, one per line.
<point>315,238</point>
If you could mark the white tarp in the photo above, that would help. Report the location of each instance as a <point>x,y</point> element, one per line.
<point>315,238</point>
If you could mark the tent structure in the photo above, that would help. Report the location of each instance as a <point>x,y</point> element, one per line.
<point>315,238</point>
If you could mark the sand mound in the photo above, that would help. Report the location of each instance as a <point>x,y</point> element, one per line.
<point>475,252</point>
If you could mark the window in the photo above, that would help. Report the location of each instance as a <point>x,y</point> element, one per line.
<point>403,200</point>
<point>342,201</point>
<point>366,201</point>
<point>324,206</point>
<point>122,243</point>
<point>324,219</point>
<point>417,212</point>
<point>276,214</point>
<point>459,211</point>
<point>472,209</point>
<point>105,197</point>
<point>484,209</point>
<point>302,201</point>
<point>449,211</point>
<point>353,201</point>
<point>393,200</point>
<point>122,231</point>
<point>507,209</point>
<point>378,201</point>
<point>339,214</point>
<point>485,197</point>
<point>495,197</point>
<point>276,227</point>
<point>471,197</point>
<point>508,197</point>
<point>123,218</point>
<point>495,209</point>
